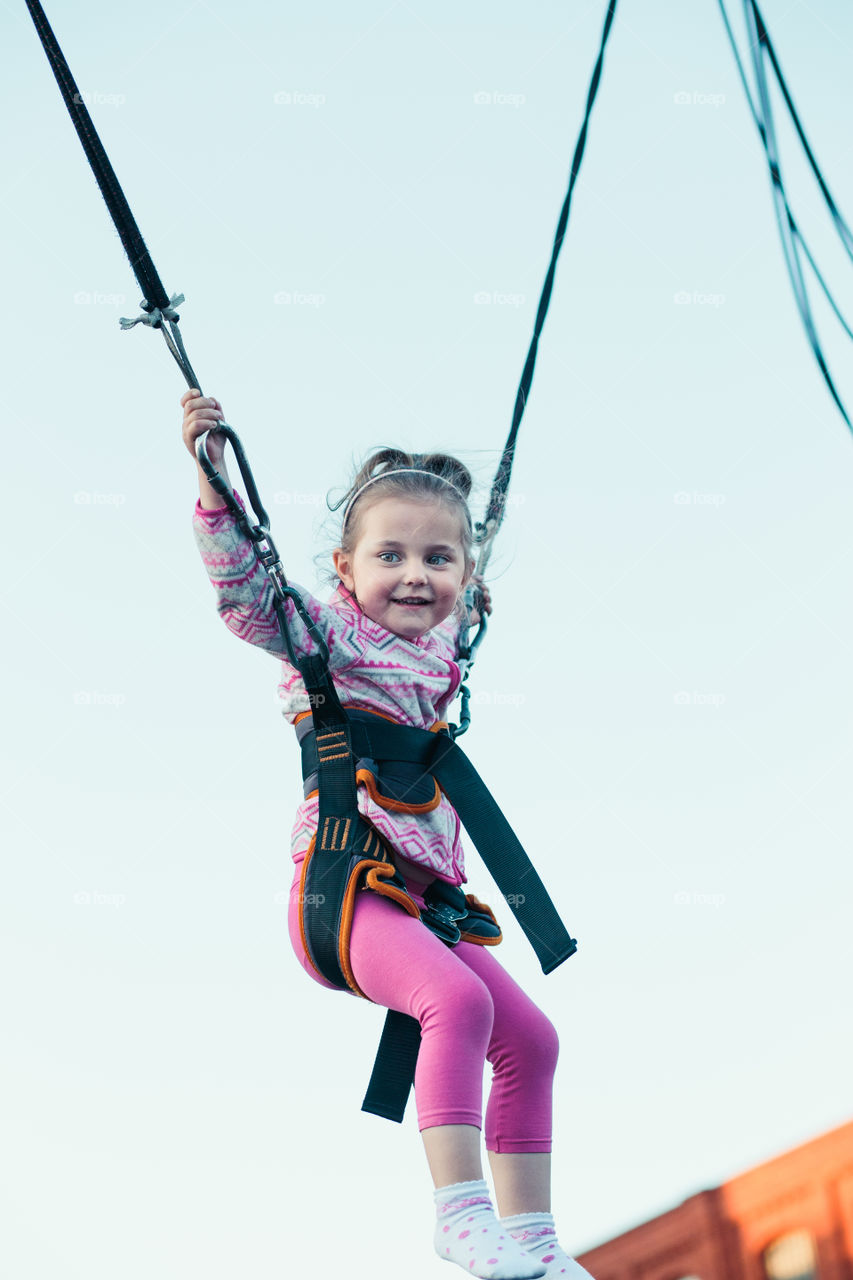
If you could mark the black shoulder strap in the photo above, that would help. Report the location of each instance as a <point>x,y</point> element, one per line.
<point>503,854</point>
<point>505,858</point>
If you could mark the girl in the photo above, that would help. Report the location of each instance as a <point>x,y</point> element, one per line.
<point>391,626</point>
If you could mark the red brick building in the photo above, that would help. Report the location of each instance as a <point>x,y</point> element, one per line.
<point>788,1219</point>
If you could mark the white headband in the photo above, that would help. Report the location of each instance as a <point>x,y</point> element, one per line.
<point>417,470</point>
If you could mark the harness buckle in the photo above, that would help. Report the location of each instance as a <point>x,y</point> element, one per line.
<point>440,919</point>
<point>441,915</point>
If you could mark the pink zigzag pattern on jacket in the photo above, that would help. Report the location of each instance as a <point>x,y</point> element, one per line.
<point>412,681</point>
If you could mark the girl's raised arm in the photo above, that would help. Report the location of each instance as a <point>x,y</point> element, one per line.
<point>201,413</point>
<point>244,594</point>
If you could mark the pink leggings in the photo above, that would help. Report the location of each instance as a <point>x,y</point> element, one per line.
<point>470,1010</point>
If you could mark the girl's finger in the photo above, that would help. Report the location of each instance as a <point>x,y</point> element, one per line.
<point>199,402</point>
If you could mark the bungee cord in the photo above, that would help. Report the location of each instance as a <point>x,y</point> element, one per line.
<point>159,309</point>
<point>159,312</point>
<point>760,45</point>
<point>486,531</point>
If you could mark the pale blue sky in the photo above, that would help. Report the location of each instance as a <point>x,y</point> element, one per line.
<point>662,703</point>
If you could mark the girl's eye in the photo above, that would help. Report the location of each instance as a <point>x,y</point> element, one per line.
<point>437,556</point>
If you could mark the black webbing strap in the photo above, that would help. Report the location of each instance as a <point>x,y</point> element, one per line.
<point>510,868</point>
<point>371,736</point>
<point>394,1068</point>
<point>503,854</point>
<point>340,840</point>
<point>341,832</point>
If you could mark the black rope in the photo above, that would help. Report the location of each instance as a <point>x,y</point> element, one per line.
<point>486,530</point>
<point>835,212</point>
<point>134,246</point>
<point>500,484</point>
<point>837,217</point>
<point>790,235</point>
<point>160,309</point>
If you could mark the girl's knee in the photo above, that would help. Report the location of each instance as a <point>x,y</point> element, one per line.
<point>546,1043</point>
<point>533,1042</point>
<point>461,1005</point>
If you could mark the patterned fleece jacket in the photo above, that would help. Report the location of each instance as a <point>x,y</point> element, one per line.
<point>412,681</point>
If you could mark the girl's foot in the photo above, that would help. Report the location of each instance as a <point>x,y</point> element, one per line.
<point>535,1233</point>
<point>468,1233</point>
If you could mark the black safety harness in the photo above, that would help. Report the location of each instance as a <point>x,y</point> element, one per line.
<point>347,854</point>
<point>347,851</point>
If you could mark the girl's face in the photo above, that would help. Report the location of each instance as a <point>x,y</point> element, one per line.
<point>409,550</point>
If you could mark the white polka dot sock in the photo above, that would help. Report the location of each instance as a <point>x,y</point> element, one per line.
<point>535,1232</point>
<point>468,1233</point>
